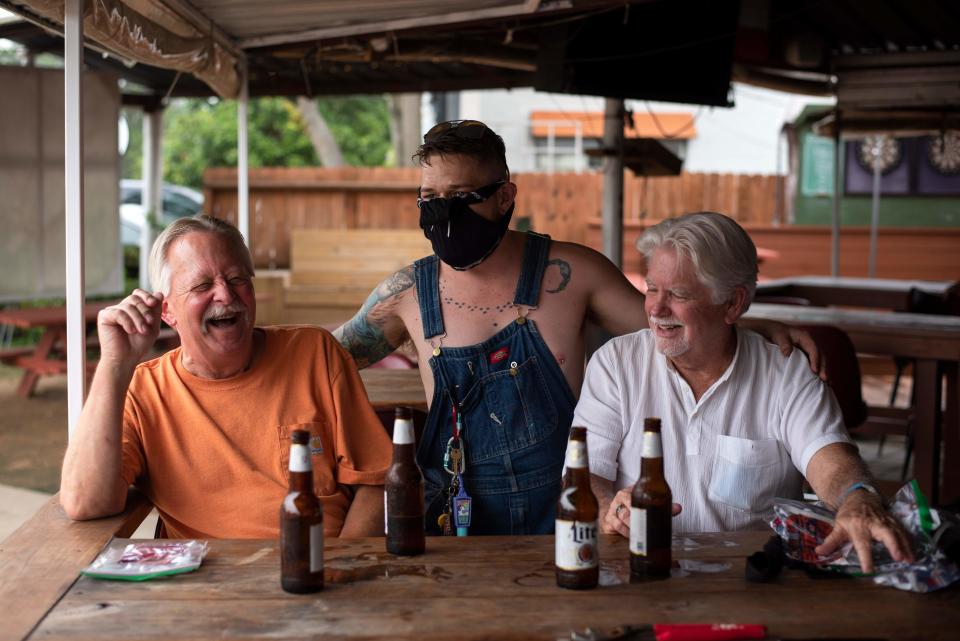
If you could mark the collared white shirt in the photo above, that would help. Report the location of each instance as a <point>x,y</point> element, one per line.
<point>727,456</point>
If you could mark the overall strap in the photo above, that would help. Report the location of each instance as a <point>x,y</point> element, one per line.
<point>427,273</point>
<point>535,254</point>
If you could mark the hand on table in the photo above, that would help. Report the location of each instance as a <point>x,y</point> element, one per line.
<point>862,519</point>
<point>617,518</point>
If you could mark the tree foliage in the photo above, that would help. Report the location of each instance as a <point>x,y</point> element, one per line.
<point>203,133</point>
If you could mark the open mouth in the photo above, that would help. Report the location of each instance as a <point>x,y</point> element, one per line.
<point>223,322</point>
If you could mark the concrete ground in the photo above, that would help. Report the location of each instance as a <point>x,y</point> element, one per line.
<point>33,436</point>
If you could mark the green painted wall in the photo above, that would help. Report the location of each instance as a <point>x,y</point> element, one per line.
<point>895,211</point>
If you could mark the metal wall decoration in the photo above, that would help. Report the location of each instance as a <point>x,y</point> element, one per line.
<point>943,152</point>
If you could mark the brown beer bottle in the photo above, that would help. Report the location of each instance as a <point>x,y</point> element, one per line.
<point>301,523</point>
<point>577,560</point>
<point>403,491</point>
<point>650,512</point>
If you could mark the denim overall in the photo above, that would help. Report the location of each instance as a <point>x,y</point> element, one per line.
<point>516,407</point>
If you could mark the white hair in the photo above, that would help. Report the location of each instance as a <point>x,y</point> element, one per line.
<point>160,268</point>
<point>721,252</point>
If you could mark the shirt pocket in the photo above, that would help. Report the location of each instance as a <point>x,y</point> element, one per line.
<point>746,473</point>
<point>321,455</point>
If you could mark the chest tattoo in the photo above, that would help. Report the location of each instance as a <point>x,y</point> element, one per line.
<point>565,272</point>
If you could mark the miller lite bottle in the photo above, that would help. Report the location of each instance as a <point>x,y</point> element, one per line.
<point>651,504</point>
<point>577,560</point>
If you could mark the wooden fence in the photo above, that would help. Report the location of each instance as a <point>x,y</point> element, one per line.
<point>283,199</point>
<point>909,253</point>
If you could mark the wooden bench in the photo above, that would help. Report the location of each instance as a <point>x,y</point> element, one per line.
<point>334,270</point>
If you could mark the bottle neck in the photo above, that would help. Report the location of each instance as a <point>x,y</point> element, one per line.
<point>577,463</point>
<point>651,458</point>
<point>301,471</point>
<point>404,441</point>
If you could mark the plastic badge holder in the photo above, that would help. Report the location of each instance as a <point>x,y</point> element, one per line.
<point>142,560</point>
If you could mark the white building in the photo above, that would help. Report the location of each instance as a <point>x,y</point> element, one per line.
<point>744,139</point>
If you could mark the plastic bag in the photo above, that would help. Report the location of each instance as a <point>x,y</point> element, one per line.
<point>804,526</point>
<point>141,560</point>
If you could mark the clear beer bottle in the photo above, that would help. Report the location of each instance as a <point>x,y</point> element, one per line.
<point>301,524</point>
<point>651,505</point>
<point>577,559</point>
<point>403,491</point>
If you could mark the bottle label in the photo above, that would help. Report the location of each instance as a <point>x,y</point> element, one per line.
<point>576,545</point>
<point>386,528</point>
<point>638,527</point>
<point>403,432</point>
<point>652,448</point>
<point>316,548</point>
<point>576,455</point>
<point>299,458</point>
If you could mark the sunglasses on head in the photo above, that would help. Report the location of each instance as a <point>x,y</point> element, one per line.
<point>470,129</point>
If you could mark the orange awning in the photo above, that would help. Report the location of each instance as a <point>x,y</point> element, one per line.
<point>679,126</point>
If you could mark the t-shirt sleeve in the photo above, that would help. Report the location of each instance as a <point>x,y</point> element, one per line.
<point>132,460</point>
<point>363,449</point>
<point>811,419</point>
<point>600,411</point>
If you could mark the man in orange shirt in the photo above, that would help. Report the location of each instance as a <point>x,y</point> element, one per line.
<point>204,431</point>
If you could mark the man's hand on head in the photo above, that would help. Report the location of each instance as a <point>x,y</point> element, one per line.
<point>862,519</point>
<point>128,329</point>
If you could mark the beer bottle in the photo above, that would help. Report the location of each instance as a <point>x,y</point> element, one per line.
<point>403,491</point>
<point>650,512</point>
<point>577,560</point>
<point>301,524</point>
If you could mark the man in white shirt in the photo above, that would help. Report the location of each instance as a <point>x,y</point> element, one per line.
<point>741,424</point>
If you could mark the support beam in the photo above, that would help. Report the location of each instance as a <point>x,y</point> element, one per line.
<point>835,227</point>
<point>151,198</point>
<point>73,191</point>
<point>243,169</point>
<point>613,180</point>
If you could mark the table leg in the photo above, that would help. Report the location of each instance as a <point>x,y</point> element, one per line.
<point>30,375</point>
<point>951,436</point>
<point>926,428</point>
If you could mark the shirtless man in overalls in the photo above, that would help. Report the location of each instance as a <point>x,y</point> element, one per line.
<point>497,320</point>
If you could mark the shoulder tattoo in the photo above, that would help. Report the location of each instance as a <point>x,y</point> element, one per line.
<point>363,334</point>
<point>565,272</point>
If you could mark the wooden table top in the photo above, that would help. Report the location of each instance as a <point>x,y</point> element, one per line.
<point>882,293</point>
<point>485,587</point>
<point>877,332</point>
<point>389,388</point>
<point>462,588</point>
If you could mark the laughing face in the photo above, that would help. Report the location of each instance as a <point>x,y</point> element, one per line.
<point>211,304</point>
<point>685,321</point>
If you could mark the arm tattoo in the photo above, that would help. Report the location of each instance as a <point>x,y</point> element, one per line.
<point>564,268</point>
<point>363,334</point>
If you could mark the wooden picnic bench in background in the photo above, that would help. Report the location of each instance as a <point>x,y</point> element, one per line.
<point>332,271</point>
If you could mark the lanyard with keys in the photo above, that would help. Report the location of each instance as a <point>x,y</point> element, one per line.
<point>459,508</point>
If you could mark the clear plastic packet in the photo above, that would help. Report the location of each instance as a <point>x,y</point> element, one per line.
<point>803,526</point>
<point>141,560</point>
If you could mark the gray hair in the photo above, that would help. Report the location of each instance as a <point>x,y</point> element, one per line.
<point>721,252</point>
<point>160,268</point>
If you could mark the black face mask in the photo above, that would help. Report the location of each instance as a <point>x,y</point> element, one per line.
<point>461,237</point>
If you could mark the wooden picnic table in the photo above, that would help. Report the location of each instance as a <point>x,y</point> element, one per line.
<point>462,588</point>
<point>390,388</point>
<point>934,343</point>
<point>43,358</point>
<point>882,293</point>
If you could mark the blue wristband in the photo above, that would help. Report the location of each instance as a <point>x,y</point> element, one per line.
<point>859,485</point>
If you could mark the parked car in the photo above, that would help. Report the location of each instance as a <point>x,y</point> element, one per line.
<point>178,201</point>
